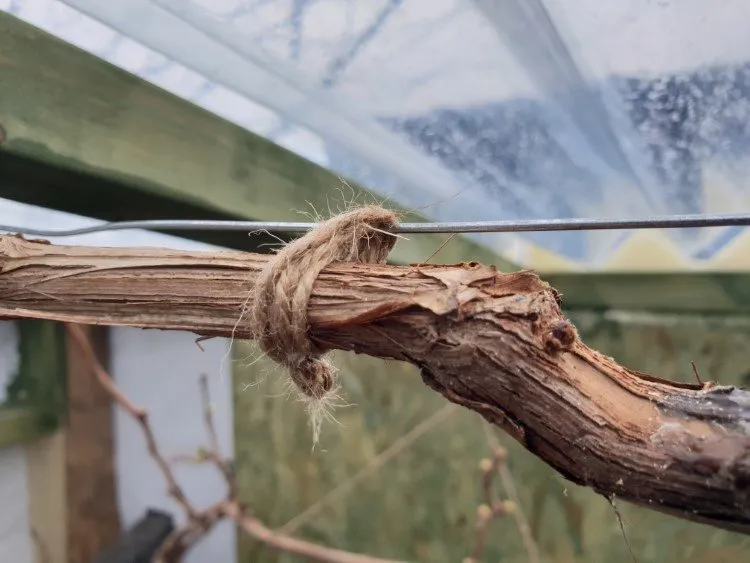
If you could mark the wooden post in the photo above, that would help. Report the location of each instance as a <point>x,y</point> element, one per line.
<point>92,516</point>
<point>39,391</point>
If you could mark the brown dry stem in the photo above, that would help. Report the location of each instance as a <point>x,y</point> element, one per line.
<point>509,487</point>
<point>200,522</point>
<point>492,342</point>
<point>492,508</point>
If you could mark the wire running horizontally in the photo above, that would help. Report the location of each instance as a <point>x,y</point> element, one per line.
<point>532,225</point>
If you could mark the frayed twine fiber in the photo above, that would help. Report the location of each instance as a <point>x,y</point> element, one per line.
<point>278,314</point>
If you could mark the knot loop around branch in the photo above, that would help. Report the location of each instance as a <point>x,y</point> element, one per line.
<point>278,314</point>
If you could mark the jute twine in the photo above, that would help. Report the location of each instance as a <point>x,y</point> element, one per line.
<point>278,314</point>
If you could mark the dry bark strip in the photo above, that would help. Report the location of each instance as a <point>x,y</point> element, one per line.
<point>493,342</point>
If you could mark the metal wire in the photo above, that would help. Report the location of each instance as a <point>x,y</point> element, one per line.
<point>534,225</point>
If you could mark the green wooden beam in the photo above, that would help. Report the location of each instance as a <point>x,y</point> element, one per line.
<point>696,292</point>
<point>83,136</point>
<point>36,397</point>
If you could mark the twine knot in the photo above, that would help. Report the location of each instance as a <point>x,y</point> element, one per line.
<point>278,314</point>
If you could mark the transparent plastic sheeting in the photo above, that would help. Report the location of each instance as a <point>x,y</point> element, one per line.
<point>504,108</point>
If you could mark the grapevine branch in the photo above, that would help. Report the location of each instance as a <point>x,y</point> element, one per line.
<point>496,343</point>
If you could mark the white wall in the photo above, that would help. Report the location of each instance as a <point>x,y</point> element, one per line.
<point>15,540</point>
<point>156,369</point>
<point>15,537</point>
<point>8,355</point>
<point>161,371</point>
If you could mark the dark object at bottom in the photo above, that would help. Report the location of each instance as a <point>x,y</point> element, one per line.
<point>140,543</point>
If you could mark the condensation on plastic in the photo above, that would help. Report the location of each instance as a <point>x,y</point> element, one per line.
<point>524,108</point>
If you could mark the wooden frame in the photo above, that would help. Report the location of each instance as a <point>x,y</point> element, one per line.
<point>69,447</point>
<point>112,146</point>
<point>32,416</point>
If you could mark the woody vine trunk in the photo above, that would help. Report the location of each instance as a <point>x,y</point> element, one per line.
<point>496,343</point>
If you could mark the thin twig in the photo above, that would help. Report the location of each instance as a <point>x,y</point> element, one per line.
<point>485,514</point>
<point>181,540</point>
<point>202,339</point>
<point>439,248</point>
<point>138,414</point>
<point>611,500</point>
<point>208,419</point>
<point>705,385</point>
<point>288,544</point>
<point>403,443</point>
<point>695,372</point>
<point>201,522</point>
<point>224,465</point>
<point>509,486</point>
<point>492,508</point>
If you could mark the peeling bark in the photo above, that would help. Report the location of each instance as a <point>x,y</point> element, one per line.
<point>492,342</point>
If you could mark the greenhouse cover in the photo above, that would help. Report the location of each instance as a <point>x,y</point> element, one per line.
<point>504,109</point>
